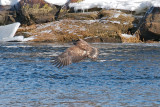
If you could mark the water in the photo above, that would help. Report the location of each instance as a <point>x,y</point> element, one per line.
<point>124,75</point>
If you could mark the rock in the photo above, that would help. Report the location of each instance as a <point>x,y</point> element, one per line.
<point>149,25</point>
<point>25,31</point>
<point>80,16</point>
<point>104,39</point>
<point>103,26</point>
<point>35,11</point>
<point>28,12</point>
<point>97,26</point>
<point>67,30</point>
<point>94,9</point>
<point>3,17</point>
<point>120,20</point>
<point>76,1</point>
<point>7,16</point>
<point>64,11</point>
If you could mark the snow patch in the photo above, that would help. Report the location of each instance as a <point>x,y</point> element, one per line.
<point>127,35</point>
<point>117,22</point>
<point>134,5</point>
<point>46,31</point>
<point>9,2</point>
<point>116,15</point>
<point>57,2</point>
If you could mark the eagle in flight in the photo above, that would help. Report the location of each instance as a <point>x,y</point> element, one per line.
<point>81,50</point>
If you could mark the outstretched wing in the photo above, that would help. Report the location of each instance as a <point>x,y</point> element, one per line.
<point>71,55</point>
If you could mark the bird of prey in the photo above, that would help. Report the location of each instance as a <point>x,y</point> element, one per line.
<point>81,50</point>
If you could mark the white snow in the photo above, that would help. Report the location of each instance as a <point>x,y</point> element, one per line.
<point>132,5</point>
<point>9,2</point>
<point>117,22</point>
<point>57,2</point>
<point>7,33</point>
<point>46,31</point>
<point>127,35</point>
<point>116,15</point>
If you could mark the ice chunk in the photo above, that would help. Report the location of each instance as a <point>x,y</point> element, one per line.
<point>7,33</point>
<point>21,38</point>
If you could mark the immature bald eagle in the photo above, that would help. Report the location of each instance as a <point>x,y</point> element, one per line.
<point>76,53</point>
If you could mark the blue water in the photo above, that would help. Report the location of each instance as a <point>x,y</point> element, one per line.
<point>124,75</point>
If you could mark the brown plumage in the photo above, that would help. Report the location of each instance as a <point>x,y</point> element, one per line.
<point>76,53</point>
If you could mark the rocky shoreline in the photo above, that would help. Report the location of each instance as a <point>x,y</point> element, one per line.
<point>52,23</point>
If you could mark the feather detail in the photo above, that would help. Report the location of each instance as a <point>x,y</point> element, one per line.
<point>76,53</point>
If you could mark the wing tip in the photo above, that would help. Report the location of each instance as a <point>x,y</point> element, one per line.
<point>60,63</point>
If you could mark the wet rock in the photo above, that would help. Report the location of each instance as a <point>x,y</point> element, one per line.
<point>35,11</point>
<point>117,39</point>
<point>149,25</point>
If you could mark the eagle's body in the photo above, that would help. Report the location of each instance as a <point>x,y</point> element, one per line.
<point>76,53</point>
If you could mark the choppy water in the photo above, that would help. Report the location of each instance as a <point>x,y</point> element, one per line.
<point>124,75</point>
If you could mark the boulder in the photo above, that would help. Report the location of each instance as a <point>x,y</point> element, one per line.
<point>28,12</point>
<point>35,11</point>
<point>6,15</point>
<point>3,17</point>
<point>149,25</point>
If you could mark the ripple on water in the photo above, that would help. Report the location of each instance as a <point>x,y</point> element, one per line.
<point>124,75</point>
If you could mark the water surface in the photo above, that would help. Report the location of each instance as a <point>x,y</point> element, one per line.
<point>124,75</point>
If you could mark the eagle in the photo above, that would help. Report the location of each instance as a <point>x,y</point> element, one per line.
<point>81,50</point>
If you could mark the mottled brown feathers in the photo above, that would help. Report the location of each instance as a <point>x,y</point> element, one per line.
<point>76,53</point>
